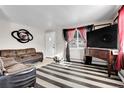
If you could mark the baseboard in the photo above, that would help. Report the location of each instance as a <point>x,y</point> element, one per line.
<point>50,57</point>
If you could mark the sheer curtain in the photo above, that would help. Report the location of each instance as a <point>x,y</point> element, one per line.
<point>120,60</point>
<point>83,32</point>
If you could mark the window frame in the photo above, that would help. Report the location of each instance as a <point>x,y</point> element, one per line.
<point>77,32</point>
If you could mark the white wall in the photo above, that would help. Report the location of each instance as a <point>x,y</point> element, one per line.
<point>4,34</point>
<point>8,42</point>
<point>37,42</point>
<point>59,42</point>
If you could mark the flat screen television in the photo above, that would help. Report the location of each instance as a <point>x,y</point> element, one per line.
<point>105,37</point>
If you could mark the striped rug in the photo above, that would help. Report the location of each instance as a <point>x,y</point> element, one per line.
<point>75,75</point>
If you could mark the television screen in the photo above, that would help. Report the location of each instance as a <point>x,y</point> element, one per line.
<point>105,37</point>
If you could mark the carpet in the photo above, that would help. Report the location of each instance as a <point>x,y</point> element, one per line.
<point>75,75</point>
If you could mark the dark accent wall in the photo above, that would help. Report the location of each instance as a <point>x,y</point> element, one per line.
<point>105,37</point>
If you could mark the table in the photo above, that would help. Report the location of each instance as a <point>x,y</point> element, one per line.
<point>108,55</point>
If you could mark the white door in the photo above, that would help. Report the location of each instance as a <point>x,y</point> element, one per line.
<point>50,44</point>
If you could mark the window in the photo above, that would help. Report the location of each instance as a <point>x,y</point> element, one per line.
<point>77,42</point>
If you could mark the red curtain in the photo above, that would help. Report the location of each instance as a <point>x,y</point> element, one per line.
<point>121,39</point>
<point>70,34</point>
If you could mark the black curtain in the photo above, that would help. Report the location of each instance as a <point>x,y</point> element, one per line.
<point>67,50</point>
<point>65,34</point>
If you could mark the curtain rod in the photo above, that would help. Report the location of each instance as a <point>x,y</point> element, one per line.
<point>93,26</point>
<point>115,19</point>
<point>102,24</point>
<point>89,25</point>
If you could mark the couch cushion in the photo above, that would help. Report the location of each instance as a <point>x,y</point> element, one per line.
<point>23,58</point>
<point>8,61</point>
<point>30,51</point>
<point>8,53</point>
<point>2,69</point>
<point>20,52</point>
<point>17,68</point>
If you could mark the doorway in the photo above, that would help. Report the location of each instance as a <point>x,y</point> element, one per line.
<point>50,44</point>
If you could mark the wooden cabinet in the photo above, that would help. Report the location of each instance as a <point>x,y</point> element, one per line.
<point>105,54</point>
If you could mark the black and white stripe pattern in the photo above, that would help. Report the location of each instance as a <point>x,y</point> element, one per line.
<point>69,75</point>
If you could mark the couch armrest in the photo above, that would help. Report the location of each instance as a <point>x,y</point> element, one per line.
<point>40,53</point>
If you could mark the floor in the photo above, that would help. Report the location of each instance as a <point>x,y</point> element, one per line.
<point>74,75</point>
<point>44,63</point>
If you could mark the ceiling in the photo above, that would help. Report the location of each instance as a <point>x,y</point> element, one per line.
<point>52,16</point>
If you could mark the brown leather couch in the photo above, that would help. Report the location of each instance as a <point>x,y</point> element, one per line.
<point>23,55</point>
<point>14,74</point>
